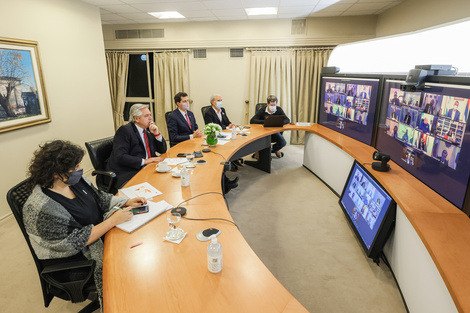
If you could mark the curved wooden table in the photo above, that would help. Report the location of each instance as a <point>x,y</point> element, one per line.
<point>166,277</point>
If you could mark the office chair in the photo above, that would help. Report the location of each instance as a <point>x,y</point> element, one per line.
<point>99,152</point>
<point>74,291</point>
<point>260,106</point>
<point>203,111</point>
<point>166,120</point>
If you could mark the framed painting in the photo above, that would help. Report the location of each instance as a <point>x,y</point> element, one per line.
<point>23,100</point>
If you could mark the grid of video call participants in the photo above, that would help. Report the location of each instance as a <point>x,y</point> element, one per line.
<point>367,200</point>
<point>433,125</point>
<point>347,101</point>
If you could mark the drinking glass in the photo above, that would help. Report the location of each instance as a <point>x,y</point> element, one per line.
<point>174,220</point>
<point>241,128</point>
<point>190,158</point>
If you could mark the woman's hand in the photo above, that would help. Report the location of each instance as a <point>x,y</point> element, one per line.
<point>137,201</point>
<point>121,216</point>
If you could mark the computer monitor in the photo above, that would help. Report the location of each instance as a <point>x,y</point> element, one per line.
<point>348,104</point>
<point>425,132</point>
<point>369,209</point>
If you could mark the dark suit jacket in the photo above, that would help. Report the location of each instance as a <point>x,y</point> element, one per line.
<point>178,127</point>
<point>211,117</point>
<point>129,150</point>
<point>457,114</point>
<point>261,114</point>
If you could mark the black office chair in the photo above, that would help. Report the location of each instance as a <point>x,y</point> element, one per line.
<point>203,111</point>
<point>166,119</point>
<point>99,152</point>
<point>260,106</point>
<point>74,291</point>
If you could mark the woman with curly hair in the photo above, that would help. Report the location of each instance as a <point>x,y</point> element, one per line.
<point>65,216</point>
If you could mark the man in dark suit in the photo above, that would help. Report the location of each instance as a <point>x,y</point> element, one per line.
<point>181,122</point>
<point>135,144</point>
<point>272,109</point>
<point>217,114</point>
<point>454,114</point>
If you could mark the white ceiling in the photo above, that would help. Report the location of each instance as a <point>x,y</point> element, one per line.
<point>135,11</point>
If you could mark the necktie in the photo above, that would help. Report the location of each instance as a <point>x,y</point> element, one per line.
<point>187,120</point>
<point>147,147</point>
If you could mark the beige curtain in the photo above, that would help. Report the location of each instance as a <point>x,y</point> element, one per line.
<point>271,73</point>
<point>308,67</point>
<point>118,65</point>
<point>171,73</point>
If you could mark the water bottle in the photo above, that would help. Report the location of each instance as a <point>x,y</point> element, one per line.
<point>184,177</point>
<point>234,133</point>
<point>214,255</point>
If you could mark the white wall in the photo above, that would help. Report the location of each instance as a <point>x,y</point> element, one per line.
<point>412,15</point>
<point>71,50</point>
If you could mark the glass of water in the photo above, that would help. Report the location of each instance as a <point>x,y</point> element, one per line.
<point>190,158</point>
<point>241,128</point>
<point>174,220</point>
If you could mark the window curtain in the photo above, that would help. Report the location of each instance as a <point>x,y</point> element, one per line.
<point>293,76</point>
<point>117,65</point>
<point>271,73</point>
<point>171,73</point>
<point>308,67</point>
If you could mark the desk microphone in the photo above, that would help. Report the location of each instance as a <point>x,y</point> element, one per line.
<point>181,210</point>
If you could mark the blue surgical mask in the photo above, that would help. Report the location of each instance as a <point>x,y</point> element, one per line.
<point>74,177</point>
<point>218,105</point>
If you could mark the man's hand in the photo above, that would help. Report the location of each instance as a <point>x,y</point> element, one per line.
<point>197,134</point>
<point>153,160</point>
<point>153,128</point>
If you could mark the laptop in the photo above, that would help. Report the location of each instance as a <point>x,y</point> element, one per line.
<point>274,121</point>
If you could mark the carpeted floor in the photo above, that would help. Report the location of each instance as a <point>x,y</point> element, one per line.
<point>294,223</point>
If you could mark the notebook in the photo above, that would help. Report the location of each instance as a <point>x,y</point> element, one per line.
<point>274,121</point>
<point>139,220</point>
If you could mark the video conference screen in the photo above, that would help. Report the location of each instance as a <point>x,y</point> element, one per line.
<point>369,209</point>
<point>348,106</point>
<point>425,132</point>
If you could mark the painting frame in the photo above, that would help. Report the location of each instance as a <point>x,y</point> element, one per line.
<point>23,100</point>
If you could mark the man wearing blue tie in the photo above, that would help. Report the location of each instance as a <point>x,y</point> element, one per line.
<point>181,122</point>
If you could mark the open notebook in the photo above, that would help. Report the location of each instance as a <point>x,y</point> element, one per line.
<point>138,220</point>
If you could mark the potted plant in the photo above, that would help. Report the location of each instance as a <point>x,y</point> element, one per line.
<point>212,130</point>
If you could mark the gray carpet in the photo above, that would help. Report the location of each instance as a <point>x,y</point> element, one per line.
<point>294,224</point>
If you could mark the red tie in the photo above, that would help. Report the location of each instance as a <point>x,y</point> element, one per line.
<point>187,120</point>
<point>147,144</point>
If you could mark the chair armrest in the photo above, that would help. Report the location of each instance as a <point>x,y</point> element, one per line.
<point>74,289</point>
<point>106,173</point>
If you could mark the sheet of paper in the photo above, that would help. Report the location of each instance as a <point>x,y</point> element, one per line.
<point>141,190</point>
<point>302,124</point>
<point>138,220</point>
<point>175,161</point>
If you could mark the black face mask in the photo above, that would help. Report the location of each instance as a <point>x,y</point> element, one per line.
<point>74,177</point>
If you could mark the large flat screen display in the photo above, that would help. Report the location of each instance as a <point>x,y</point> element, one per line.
<point>348,105</point>
<point>369,209</point>
<point>426,133</point>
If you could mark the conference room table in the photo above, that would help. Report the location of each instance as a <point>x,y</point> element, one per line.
<point>161,276</point>
<point>167,277</point>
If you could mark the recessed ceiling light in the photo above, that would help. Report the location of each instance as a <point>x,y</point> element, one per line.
<point>261,11</point>
<point>166,15</point>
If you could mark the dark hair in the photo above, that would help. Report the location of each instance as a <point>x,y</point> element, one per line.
<point>180,95</point>
<point>54,157</point>
<point>270,99</point>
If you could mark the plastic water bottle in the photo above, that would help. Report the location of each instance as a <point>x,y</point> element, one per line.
<point>234,133</point>
<point>184,177</point>
<point>214,255</point>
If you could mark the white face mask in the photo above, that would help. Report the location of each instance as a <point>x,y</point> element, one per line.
<point>218,105</point>
<point>272,108</point>
<point>185,106</point>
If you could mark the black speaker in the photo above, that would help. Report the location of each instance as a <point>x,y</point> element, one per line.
<point>330,70</point>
